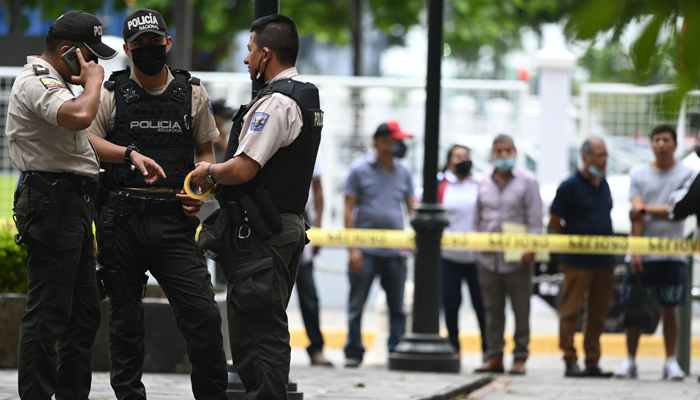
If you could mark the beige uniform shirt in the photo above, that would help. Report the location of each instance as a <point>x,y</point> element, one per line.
<point>204,126</point>
<point>275,121</point>
<point>37,143</point>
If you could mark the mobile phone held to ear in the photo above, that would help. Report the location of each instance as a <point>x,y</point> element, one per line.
<point>71,60</point>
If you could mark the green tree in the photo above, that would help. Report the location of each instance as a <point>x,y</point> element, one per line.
<point>662,47</point>
<point>472,24</point>
<point>216,22</point>
<point>613,63</point>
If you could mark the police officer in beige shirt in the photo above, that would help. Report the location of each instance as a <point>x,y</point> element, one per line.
<point>46,127</point>
<point>164,114</point>
<point>264,185</point>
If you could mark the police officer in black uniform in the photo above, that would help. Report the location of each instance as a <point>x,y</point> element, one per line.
<point>46,127</point>
<point>264,186</point>
<point>166,115</point>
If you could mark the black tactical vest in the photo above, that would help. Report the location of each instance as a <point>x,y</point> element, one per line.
<point>287,175</point>
<point>160,127</point>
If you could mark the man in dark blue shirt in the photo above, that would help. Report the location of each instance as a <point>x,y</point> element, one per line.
<point>583,202</point>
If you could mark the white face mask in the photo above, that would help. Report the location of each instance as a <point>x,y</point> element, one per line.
<point>226,128</point>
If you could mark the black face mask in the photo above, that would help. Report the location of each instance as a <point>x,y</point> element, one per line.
<point>464,168</point>
<point>399,149</point>
<point>260,76</point>
<point>150,59</point>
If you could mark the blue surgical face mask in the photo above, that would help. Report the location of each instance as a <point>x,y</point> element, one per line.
<point>596,172</point>
<point>504,164</point>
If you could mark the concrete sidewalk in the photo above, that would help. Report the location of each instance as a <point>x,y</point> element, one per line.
<point>373,380</point>
<point>367,382</point>
<point>544,380</point>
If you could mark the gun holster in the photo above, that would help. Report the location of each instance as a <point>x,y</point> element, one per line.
<point>241,232</point>
<point>253,216</point>
<point>52,204</point>
<point>119,285</point>
<point>267,208</point>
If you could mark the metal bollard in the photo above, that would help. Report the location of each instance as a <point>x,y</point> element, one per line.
<point>685,316</point>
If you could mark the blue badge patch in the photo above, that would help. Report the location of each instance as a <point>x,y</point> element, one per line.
<point>259,120</point>
<point>211,110</point>
<point>52,83</point>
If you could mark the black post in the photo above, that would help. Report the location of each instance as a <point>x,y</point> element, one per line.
<point>424,349</point>
<point>182,12</point>
<point>356,12</point>
<point>236,390</point>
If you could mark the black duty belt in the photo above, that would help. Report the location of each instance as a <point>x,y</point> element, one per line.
<point>126,201</point>
<point>75,183</point>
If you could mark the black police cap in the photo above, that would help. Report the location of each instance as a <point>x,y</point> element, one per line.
<point>142,21</point>
<point>82,27</point>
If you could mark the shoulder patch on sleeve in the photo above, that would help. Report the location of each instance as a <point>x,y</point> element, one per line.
<point>49,83</point>
<point>259,120</point>
<point>211,110</point>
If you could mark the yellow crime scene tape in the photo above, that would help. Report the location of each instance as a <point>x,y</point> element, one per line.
<point>581,244</point>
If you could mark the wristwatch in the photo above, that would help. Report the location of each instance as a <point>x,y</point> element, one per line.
<point>643,209</point>
<point>208,176</point>
<point>127,153</point>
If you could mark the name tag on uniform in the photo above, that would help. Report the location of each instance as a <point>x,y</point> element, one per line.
<point>317,119</point>
<point>259,120</point>
<point>52,83</point>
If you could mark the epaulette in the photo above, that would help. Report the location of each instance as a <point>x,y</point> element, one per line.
<point>40,69</point>
<point>189,78</point>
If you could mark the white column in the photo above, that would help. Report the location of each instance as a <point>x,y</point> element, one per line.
<point>555,64</point>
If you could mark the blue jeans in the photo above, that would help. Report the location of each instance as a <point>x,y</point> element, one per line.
<point>308,302</point>
<point>452,276</point>
<point>392,273</point>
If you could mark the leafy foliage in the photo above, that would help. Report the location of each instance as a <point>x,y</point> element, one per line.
<point>613,63</point>
<point>217,21</point>
<point>591,19</point>
<point>13,261</point>
<point>472,24</point>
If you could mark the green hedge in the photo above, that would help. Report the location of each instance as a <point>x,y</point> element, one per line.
<point>13,261</point>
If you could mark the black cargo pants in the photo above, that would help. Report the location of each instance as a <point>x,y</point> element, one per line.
<point>62,301</point>
<point>261,276</point>
<point>165,245</point>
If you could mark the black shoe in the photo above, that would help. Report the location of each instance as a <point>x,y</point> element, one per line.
<point>596,372</point>
<point>573,371</point>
